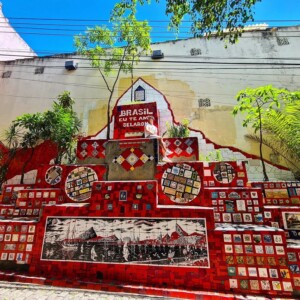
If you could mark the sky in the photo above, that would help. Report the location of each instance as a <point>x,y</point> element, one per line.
<point>49,26</point>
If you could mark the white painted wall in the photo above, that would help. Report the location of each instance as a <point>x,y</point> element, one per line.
<point>12,46</point>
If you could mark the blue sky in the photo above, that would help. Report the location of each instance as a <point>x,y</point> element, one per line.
<point>33,19</point>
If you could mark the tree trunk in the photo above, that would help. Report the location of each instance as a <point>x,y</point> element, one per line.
<point>266,178</point>
<point>131,96</point>
<point>111,95</point>
<point>58,158</point>
<point>108,116</point>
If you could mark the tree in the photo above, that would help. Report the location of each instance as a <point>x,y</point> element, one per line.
<point>64,126</point>
<point>224,18</point>
<point>59,125</point>
<point>281,132</point>
<point>116,49</point>
<point>256,104</point>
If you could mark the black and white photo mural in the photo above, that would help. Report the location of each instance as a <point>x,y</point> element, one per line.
<point>164,242</point>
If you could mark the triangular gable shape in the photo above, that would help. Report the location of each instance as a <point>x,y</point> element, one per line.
<point>206,147</point>
<point>151,95</point>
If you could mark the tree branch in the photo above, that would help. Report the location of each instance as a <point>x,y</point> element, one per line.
<point>105,81</point>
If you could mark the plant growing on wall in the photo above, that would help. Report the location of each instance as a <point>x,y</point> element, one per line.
<point>64,127</point>
<point>257,104</point>
<point>180,130</point>
<point>59,125</point>
<point>281,132</point>
<point>215,155</point>
<point>212,18</point>
<point>115,50</point>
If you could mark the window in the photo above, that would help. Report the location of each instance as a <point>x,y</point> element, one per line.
<point>267,34</point>
<point>282,41</point>
<point>195,51</point>
<point>204,102</point>
<point>6,74</point>
<point>39,70</point>
<point>139,94</point>
<point>157,54</point>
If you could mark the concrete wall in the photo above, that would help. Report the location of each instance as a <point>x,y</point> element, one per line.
<point>215,72</point>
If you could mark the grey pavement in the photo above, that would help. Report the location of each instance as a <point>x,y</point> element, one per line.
<point>24,291</point>
<point>21,291</point>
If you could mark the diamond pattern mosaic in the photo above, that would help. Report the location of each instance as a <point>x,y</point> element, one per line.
<point>132,158</point>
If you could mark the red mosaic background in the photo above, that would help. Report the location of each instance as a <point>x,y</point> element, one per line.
<point>90,148</point>
<point>184,148</point>
<point>240,261</point>
<point>235,205</point>
<point>256,260</point>
<point>43,154</point>
<point>41,182</point>
<point>252,232</point>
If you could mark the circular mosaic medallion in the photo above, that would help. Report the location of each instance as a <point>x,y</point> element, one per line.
<point>53,175</point>
<point>224,172</point>
<point>79,183</point>
<point>181,183</point>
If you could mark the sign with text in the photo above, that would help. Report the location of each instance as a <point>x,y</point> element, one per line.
<point>130,119</point>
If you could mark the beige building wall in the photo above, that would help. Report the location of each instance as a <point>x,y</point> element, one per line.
<point>192,71</point>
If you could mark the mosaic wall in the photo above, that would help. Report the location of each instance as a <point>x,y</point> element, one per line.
<point>256,261</point>
<point>236,205</point>
<point>29,203</point>
<point>223,174</point>
<point>124,217</point>
<point>184,149</point>
<point>136,194</point>
<point>91,151</point>
<point>129,223</point>
<point>79,183</point>
<point>135,224</point>
<point>53,175</point>
<point>74,180</point>
<point>293,262</point>
<point>17,241</point>
<point>160,242</point>
<point>131,160</point>
<point>10,192</point>
<point>181,183</point>
<point>280,193</point>
<point>286,218</point>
